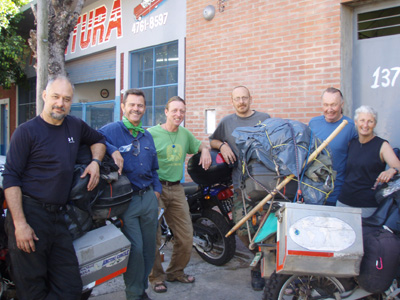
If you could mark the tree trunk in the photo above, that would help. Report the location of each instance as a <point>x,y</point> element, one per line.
<point>49,44</point>
<point>62,20</point>
<point>42,52</point>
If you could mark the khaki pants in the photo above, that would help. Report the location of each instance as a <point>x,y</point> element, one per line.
<point>177,216</point>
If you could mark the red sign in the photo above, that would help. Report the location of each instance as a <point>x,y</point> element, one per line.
<point>145,8</point>
<point>94,29</point>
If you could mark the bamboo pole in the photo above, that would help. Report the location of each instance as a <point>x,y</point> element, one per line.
<point>287,179</point>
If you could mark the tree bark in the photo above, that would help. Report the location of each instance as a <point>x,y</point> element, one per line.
<point>42,52</point>
<point>62,20</point>
<point>61,17</point>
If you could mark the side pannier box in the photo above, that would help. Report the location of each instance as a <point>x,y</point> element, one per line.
<point>102,254</point>
<point>317,239</point>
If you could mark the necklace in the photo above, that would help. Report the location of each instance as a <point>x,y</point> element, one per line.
<point>169,135</point>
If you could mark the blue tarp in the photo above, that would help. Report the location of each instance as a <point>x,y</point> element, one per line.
<point>274,143</point>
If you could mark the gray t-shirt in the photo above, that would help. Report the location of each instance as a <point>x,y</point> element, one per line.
<point>224,133</point>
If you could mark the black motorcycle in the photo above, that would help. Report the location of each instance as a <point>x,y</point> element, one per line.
<point>210,202</point>
<point>90,218</point>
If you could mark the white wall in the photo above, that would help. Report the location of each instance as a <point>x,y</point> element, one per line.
<point>90,91</point>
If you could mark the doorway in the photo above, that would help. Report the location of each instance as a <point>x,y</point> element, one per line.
<point>4,129</point>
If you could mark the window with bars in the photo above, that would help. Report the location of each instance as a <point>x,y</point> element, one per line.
<point>155,71</point>
<point>378,23</point>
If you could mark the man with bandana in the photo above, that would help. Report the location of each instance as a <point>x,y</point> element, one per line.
<point>133,150</point>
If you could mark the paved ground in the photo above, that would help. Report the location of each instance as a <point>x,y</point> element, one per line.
<point>230,282</point>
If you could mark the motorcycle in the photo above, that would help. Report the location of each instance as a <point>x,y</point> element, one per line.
<point>311,282</point>
<point>96,231</point>
<point>309,251</point>
<point>210,204</point>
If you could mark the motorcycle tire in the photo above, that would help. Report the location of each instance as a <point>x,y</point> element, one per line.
<point>212,227</point>
<point>304,287</point>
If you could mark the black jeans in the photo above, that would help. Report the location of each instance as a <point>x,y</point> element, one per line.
<point>51,272</point>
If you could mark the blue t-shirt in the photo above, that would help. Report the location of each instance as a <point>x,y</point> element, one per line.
<point>339,147</point>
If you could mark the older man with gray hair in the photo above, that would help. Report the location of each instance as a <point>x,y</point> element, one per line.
<point>323,126</point>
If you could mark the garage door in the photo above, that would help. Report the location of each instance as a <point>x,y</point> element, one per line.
<point>376,65</point>
<point>96,67</point>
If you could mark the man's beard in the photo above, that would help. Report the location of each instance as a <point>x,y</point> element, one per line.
<point>56,115</point>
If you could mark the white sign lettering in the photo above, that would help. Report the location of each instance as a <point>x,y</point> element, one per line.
<point>385,78</point>
<point>150,23</point>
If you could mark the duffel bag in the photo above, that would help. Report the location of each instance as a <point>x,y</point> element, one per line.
<point>113,200</point>
<point>78,221</point>
<point>380,261</point>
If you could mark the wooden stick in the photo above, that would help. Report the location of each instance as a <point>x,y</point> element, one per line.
<point>288,178</point>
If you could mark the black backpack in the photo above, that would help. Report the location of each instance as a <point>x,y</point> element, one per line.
<point>110,198</point>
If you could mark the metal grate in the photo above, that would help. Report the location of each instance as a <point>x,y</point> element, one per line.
<point>378,23</point>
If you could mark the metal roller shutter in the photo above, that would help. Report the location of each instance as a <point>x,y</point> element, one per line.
<point>96,67</point>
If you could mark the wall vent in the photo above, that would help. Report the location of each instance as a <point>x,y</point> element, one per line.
<point>378,23</point>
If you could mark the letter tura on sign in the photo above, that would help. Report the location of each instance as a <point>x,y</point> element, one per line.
<point>94,30</point>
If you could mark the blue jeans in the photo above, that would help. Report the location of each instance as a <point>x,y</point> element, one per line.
<point>140,227</point>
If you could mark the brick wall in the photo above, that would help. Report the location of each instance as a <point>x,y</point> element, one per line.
<point>287,52</point>
<point>11,95</point>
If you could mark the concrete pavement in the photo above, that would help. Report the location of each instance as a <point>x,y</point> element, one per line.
<point>228,282</point>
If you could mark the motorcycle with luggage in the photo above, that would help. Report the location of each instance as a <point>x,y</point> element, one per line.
<point>210,203</point>
<point>92,219</point>
<point>331,252</point>
<point>308,250</point>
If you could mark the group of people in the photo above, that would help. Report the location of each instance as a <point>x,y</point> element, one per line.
<point>39,171</point>
<point>38,175</point>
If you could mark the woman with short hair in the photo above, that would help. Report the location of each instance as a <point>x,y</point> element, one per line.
<point>366,164</point>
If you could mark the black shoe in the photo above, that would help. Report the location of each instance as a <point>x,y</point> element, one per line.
<point>145,296</point>
<point>257,282</point>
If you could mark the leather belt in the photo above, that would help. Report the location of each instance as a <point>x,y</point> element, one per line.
<point>169,183</point>
<point>141,192</point>
<point>47,206</point>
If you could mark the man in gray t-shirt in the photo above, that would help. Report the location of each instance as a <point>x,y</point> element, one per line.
<point>223,140</point>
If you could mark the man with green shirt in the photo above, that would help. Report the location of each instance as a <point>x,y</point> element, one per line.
<point>172,143</point>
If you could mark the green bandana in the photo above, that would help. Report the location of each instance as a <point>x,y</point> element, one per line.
<point>132,128</point>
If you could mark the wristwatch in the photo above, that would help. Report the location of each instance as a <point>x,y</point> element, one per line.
<point>98,161</point>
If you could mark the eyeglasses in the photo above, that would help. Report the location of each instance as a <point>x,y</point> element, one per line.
<point>134,146</point>
<point>244,99</point>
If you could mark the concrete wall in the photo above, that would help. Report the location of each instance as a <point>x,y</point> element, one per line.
<point>90,91</point>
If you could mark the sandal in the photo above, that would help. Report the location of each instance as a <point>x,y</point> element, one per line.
<point>159,287</point>
<point>185,278</point>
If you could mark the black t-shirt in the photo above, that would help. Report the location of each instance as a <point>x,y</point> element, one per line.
<point>363,167</point>
<point>42,156</point>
